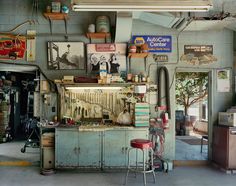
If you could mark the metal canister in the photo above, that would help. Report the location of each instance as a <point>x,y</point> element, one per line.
<point>103,24</point>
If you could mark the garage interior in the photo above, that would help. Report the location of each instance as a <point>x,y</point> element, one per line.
<point>79,80</point>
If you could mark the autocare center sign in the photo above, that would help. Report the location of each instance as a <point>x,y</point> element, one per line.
<point>155,43</point>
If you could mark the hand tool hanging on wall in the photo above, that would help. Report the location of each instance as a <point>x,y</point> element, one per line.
<point>163,71</point>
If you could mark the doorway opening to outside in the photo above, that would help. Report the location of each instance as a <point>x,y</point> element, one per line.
<point>191,119</point>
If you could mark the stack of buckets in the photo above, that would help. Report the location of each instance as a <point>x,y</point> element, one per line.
<point>4,120</point>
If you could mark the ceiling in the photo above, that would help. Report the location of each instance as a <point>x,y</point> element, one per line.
<point>221,15</point>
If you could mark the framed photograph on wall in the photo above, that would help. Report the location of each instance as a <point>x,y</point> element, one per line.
<point>113,55</point>
<point>66,55</point>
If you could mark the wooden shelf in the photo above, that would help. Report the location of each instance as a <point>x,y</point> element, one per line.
<point>98,35</point>
<point>138,55</point>
<point>56,16</point>
<point>102,85</point>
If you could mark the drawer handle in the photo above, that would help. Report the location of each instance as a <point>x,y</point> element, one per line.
<point>233,132</point>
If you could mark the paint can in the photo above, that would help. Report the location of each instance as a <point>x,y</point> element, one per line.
<point>103,24</point>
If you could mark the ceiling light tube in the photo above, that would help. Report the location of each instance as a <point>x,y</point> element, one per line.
<point>95,88</point>
<point>75,8</point>
<point>140,5</point>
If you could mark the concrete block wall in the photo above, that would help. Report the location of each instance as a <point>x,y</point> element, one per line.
<point>14,12</point>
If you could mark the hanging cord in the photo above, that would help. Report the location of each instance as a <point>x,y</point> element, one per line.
<point>34,12</point>
<point>18,26</point>
<point>160,71</point>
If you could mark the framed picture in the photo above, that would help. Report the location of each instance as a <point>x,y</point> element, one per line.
<point>111,56</point>
<point>66,55</point>
<point>12,47</point>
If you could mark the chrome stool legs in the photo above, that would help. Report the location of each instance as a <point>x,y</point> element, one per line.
<point>144,170</point>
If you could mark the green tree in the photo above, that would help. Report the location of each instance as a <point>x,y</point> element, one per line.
<point>191,87</point>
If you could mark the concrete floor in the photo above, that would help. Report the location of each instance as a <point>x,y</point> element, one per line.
<point>30,175</point>
<point>180,176</point>
<point>184,151</point>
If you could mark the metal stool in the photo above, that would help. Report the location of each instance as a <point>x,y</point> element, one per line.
<point>146,147</point>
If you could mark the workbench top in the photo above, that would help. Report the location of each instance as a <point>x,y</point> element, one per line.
<point>99,127</point>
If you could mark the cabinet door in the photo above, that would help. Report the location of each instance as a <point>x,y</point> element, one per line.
<point>220,146</point>
<point>90,149</point>
<point>66,148</point>
<point>136,134</point>
<point>114,149</point>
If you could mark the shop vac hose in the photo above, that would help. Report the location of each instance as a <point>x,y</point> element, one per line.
<point>159,86</point>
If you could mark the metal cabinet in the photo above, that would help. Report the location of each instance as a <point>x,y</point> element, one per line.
<point>90,149</point>
<point>116,145</point>
<point>77,149</point>
<point>114,149</point>
<point>67,147</point>
<point>95,149</point>
<point>224,146</point>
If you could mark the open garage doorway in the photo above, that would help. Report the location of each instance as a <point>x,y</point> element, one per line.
<point>191,121</point>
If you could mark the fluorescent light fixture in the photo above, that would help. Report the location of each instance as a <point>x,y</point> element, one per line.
<point>142,5</point>
<point>95,88</point>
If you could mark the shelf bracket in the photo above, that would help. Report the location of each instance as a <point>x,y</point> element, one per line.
<point>50,24</point>
<point>66,36</point>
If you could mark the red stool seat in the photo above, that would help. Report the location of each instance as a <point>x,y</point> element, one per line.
<point>141,143</point>
<point>142,166</point>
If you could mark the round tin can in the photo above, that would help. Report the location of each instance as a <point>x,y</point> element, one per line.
<point>103,24</point>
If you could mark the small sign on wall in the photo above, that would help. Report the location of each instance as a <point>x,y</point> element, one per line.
<point>160,58</point>
<point>12,47</point>
<point>155,43</point>
<point>31,45</point>
<point>223,80</point>
<point>198,54</point>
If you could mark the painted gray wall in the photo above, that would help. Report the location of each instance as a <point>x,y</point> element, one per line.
<point>14,12</point>
<point>222,41</point>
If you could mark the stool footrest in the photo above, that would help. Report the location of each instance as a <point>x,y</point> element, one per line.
<point>146,166</point>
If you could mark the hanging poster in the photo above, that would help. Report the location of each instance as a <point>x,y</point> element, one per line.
<point>12,47</point>
<point>223,80</point>
<point>66,55</point>
<point>155,43</point>
<point>198,54</point>
<point>109,57</point>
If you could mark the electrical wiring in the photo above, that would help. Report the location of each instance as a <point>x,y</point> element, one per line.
<point>18,26</point>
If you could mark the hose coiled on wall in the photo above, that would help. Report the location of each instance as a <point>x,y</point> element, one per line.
<point>160,71</point>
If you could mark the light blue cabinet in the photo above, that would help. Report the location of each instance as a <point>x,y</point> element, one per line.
<point>116,145</point>
<point>95,149</point>
<point>66,147</point>
<point>90,149</point>
<point>114,152</point>
<point>77,149</point>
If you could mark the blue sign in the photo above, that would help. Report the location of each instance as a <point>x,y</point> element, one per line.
<point>155,43</point>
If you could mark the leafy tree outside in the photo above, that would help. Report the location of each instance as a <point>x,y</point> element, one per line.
<point>191,88</point>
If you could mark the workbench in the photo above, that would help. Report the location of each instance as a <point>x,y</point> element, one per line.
<point>96,147</point>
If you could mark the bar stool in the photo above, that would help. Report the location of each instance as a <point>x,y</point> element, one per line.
<point>146,147</point>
